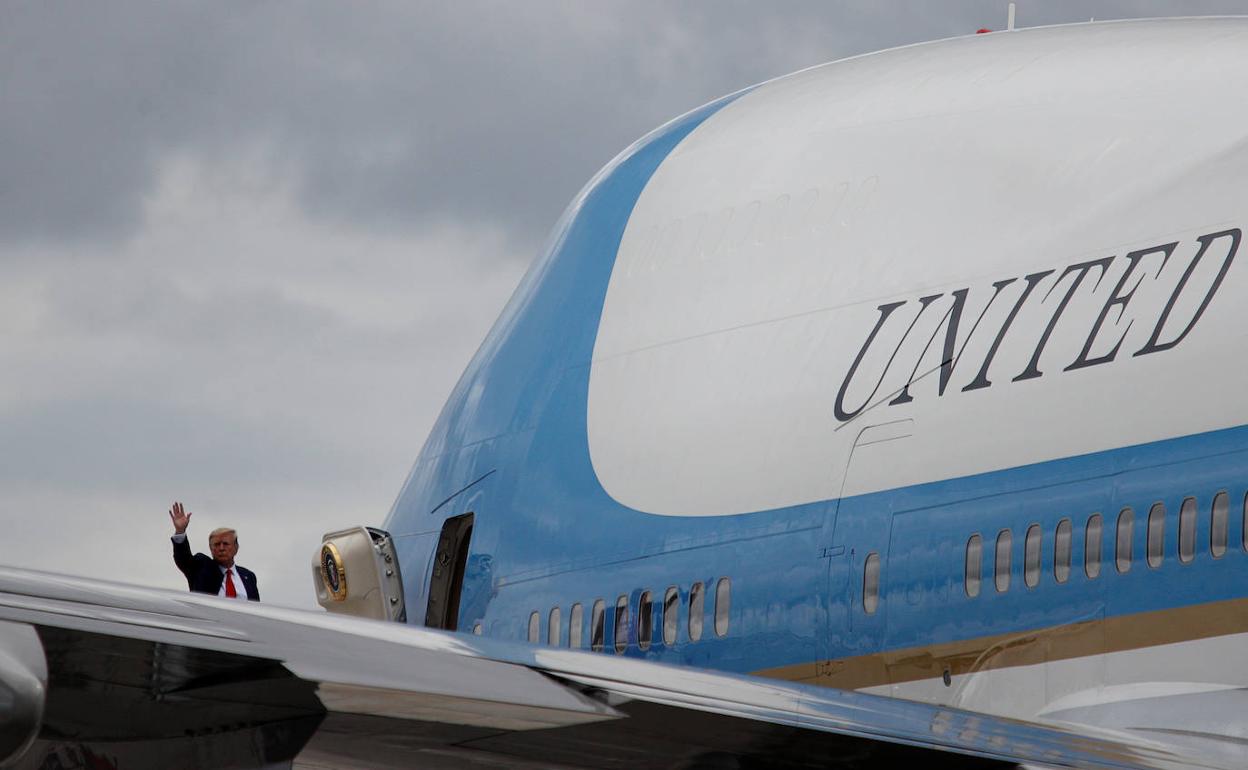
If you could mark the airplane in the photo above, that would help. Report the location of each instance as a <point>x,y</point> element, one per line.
<point>887,412</point>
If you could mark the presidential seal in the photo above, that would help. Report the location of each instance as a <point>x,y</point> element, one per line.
<point>333,572</point>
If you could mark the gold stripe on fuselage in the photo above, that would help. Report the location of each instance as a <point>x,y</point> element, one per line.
<point>1072,640</point>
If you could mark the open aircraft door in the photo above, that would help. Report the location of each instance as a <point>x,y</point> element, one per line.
<point>356,572</point>
<point>446,580</point>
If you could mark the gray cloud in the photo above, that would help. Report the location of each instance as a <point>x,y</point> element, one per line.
<point>120,442</point>
<point>393,114</point>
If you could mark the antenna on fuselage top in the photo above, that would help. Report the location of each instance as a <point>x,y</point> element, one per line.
<point>1009,22</point>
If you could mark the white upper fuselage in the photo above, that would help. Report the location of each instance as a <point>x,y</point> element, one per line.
<point>756,261</point>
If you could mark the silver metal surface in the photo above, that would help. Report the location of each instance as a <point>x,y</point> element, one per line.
<point>23,689</point>
<point>148,668</point>
<point>398,664</point>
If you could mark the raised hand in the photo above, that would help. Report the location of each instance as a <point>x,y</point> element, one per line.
<point>180,519</point>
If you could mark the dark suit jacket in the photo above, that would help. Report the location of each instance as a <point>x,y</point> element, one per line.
<point>204,576</point>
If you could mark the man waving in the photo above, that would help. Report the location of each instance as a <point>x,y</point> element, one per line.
<point>216,574</point>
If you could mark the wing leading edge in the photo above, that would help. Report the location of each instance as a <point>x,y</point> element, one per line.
<point>145,678</point>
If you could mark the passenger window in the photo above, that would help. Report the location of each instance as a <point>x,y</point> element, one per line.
<point>575,618</point>
<point>723,604</point>
<point>1092,545</point>
<point>1219,518</point>
<point>1031,556</point>
<point>535,626</point>
<point>671,614</point>
<point>1061,550</point>
<point>1244,529</point>
<point>621,624</point>
<point>974,565</point>
<point>1001,563</point>
<point>1156,535</point>
<point>697,603</point>
<point>597,618</point>
<point>1122,546</point>
<point>1187,530</point>
<point>553,628</point>
<point>645,620</point>
<point>871,583</point>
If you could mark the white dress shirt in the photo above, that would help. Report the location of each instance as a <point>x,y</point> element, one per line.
<point>238,584</point>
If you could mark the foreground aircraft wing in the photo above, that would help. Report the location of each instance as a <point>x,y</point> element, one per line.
<point>103,675</point>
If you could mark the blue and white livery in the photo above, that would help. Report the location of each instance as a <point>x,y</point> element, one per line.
<point>934,357</point>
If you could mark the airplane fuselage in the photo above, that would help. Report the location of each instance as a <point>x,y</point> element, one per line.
<point>920,373</point>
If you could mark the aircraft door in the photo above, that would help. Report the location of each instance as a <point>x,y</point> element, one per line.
<point>446,579</point>
<point>855,543</point>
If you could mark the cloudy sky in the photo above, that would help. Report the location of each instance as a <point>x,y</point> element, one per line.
<point>248,248</point>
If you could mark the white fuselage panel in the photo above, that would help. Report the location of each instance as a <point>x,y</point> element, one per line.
<point>770,243</point>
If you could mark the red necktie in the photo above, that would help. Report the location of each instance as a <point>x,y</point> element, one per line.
<point>230,591</point>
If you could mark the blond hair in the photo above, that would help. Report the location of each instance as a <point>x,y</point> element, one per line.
<point>223,531</point>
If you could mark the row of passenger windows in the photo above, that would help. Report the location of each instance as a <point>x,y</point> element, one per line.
<point>645,619</point>
<point>1093,532</point>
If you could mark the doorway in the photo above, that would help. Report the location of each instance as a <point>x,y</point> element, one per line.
<point>446,582</point>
